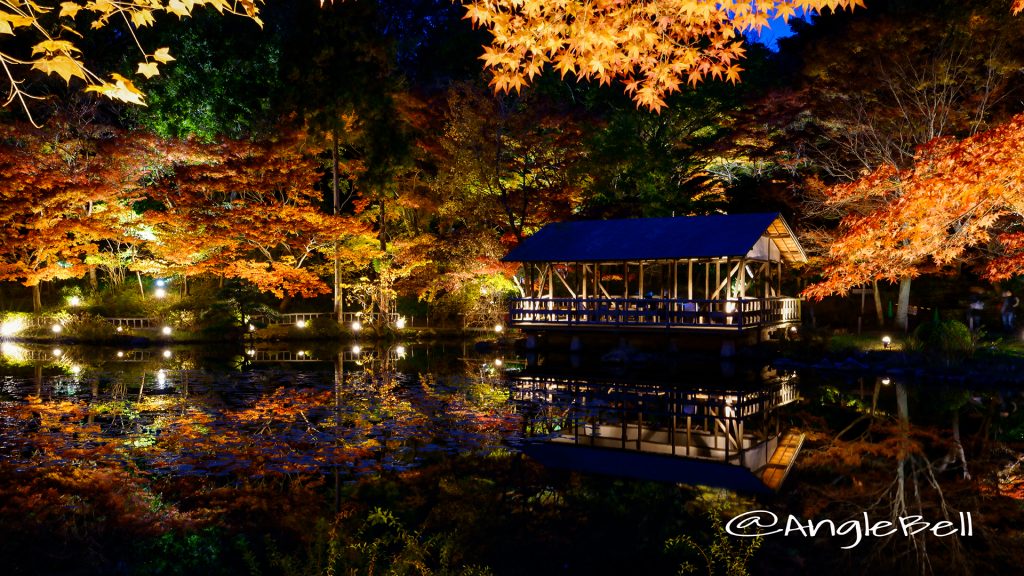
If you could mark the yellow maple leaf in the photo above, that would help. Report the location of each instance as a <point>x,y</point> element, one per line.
<point>143,18</point>
<point>176,7</point>
<point>163,55</point>
<point>121,89</point>
<point>148,69</point>
<point>69,9</point>
<point>61,65</point>
<point>54,46</point>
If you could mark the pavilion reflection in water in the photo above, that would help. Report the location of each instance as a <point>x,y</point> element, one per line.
<point>722,434</point>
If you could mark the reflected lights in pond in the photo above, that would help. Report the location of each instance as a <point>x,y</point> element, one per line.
<point>12,327</point>
<point>161,378</point>
<point>167,353</point>
<point>160,293</point>
<point>13,352</point>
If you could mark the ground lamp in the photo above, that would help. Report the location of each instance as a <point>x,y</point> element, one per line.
<point>886,342</point>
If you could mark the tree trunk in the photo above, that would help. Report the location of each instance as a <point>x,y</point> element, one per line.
<point>903,305</point>
<point>284,303</point>
<point>334,189</point>
<point>879,311</point>
<point>94,282</point>
<point>142,289</point>
<point>37,299</point>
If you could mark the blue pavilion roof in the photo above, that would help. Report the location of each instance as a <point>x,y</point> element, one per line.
<point>711,236</point>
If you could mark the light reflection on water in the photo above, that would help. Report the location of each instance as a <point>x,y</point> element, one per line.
<point>255,412</point>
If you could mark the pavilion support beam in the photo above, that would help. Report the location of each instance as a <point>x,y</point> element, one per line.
<point>689,279</point>
<point>625,279</point>
<point>561,278</point>
<point>640,287</point>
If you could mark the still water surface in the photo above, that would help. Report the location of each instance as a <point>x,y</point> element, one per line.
<point>349,413</point>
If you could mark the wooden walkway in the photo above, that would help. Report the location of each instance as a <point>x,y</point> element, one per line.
<point>774,473</point>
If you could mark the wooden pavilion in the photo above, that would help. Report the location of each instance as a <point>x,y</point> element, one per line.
<point>722,433</point>
<point>700,273</point>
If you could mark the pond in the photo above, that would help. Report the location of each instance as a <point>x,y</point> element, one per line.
<point>322,458</point>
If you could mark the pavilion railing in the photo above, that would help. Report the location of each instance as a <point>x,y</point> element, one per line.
<point>655,312</point>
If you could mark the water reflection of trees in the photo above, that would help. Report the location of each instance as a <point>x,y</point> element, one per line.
<point>901,451</point>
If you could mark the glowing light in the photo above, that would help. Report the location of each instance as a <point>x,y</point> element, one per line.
<point>498,362</point>
<point>58,352</point>
<point>120,354</point>
<point>13,351</point>
<point>357,326</point>
<point>300,324</point>
<point>160,293</point>
<point>252,328</point>
<point>76,369</point>
<point>730,307</point>
<point>301,354</point>
<point>12,327</point>
<point>251,352</point>
<point>161,283</point>
<point>400,323</point>
<point>166,330</point>
<point>356,349</point>
<point>793,329</point>
<point>400,351</point>
<point>167,354</point>
<point>120,328</point>
<point>161,377</point>
<point>886,342</point>
<point>74,301</point>
<point>56,328</point>
<point>886,381</point>
<point>498,328</point>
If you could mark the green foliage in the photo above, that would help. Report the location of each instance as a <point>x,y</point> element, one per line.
<point>946,340</point>
<point>183,553</point>
<point>86,326</point>
<point>323,327</point>
<point>723,555</point>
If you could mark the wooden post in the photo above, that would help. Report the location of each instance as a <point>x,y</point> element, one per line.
<point>625,279</point>
<point>640,289</point>
<point>689,279</point>
<point>743,278</point>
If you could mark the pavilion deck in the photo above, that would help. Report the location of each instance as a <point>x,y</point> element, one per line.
<point>654,313</point>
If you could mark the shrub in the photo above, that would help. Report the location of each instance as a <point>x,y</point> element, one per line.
<point>947,340</point>
<point>86,326</point>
